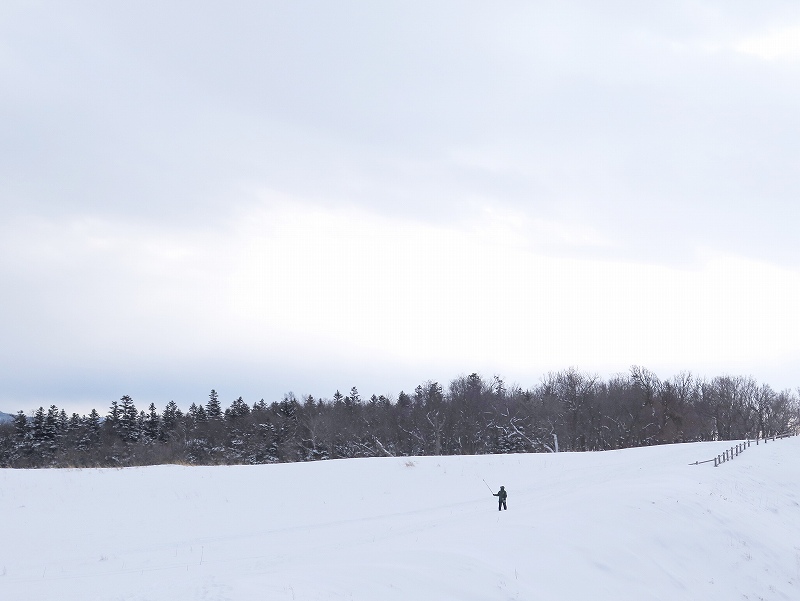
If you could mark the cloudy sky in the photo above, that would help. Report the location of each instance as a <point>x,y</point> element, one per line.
<point>263,197</point>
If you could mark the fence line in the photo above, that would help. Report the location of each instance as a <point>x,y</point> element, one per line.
<point>734,451</point>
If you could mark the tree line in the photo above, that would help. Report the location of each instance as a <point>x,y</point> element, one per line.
<point>569,410</point>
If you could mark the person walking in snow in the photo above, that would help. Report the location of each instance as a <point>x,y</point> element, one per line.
<point>501,498</point>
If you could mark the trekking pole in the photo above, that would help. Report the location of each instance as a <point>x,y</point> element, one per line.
<point>487,486</point>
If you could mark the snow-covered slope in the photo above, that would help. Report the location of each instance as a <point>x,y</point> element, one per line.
<point>637,524</point>
<point>6,417</point>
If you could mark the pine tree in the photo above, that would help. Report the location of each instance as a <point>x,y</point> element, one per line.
<point>62,425</point>
<point>237,409</point>
<point>128,424</point>
<point>169,420</point>
<point>403,400</point>
<point>213,407</point>
<point>22,436</point>
<point>113,416</point>
<point>51,423</point>
<point>93,421</point>
<point>90,431</point>
<point>22,426</point>
<point>151,423</point>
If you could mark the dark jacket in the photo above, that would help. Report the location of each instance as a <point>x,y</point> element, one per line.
<point>502,494</point>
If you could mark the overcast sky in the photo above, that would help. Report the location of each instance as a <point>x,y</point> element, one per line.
<point>263,197</point>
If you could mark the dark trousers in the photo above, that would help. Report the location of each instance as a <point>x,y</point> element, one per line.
<point>501,504</point>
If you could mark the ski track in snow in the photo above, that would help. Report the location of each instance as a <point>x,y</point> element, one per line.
<point>638,524</point>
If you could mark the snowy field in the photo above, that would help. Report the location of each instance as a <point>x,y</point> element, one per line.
<point>635,525</point>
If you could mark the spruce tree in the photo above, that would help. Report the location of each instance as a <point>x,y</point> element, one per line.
<point>151,423</point>
<point>169,420</point>
<point>62,425</point>
<point>237,409</point>
<point>39,418</point>
<point>213,407</point>
<point>113,416</point>
<point>51,423</point>
<point>90,431</point>
<point>21,426</point>
<point>93,421</point>
<point>128,424</point>
<point>22,435</point>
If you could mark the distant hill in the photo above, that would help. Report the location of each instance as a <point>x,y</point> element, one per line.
<point>6,417</point>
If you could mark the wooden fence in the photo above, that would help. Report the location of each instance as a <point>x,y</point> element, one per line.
<point>738,448</point>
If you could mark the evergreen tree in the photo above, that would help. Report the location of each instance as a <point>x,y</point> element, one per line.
<point>140,424</point>
<point>22,436</point>
<point>128,423</point>
<point>22,426</point>
<point>152,423</point>
<point>213,407</point>
<point>51,423</point>
<point>90,431</point>
<point>93,421</point>
<point>38,423</point>
<point>62,425</point>
<point>403,400</point>
<point>113,416</point>
<point>169,420</point>
<point>237,409</point>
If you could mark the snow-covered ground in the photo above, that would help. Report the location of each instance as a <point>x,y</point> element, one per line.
<point>637,524</point>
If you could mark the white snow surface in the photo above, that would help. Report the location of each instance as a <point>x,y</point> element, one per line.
<point>637,524</point>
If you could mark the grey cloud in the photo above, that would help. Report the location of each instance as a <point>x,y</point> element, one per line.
<point>168,110</point>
